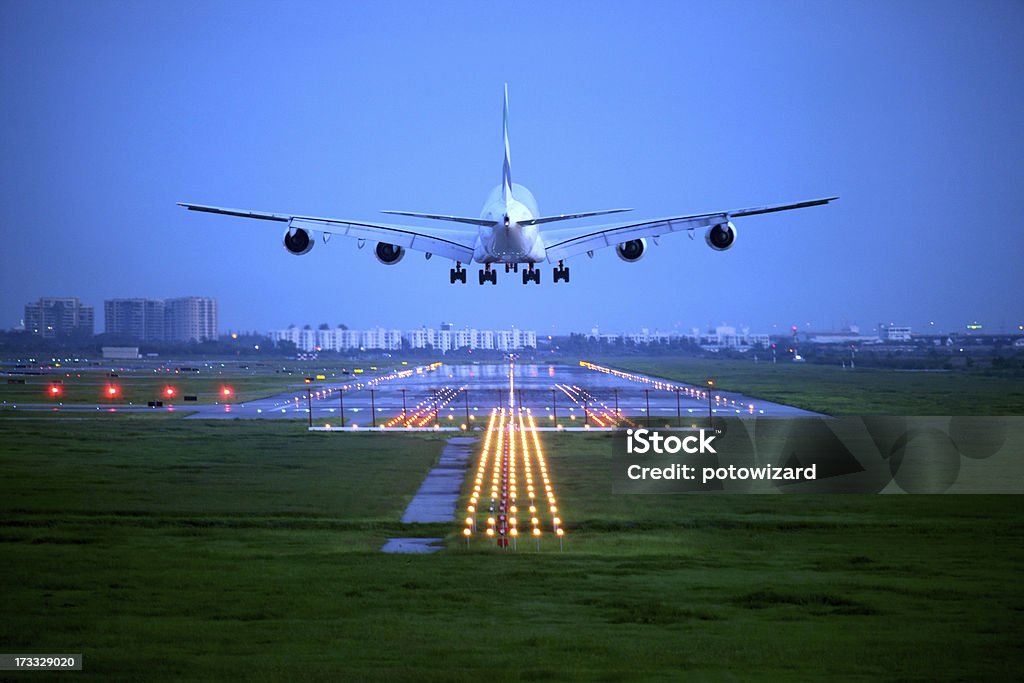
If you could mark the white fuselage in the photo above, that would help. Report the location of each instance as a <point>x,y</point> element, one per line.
<point>508,241</point>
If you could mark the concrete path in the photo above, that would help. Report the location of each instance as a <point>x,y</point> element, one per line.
<point>436,498</point>
<point>435,501</point>
<point>413,545</point>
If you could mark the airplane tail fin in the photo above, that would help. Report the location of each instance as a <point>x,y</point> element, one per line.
<point>506,169</point>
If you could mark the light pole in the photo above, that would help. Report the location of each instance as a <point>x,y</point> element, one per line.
<point>405,412</point>
<point>711,385</point>
<point>309,404</point>
<point>554,406</point>
<point>373,407</point>
<point>341,404</point>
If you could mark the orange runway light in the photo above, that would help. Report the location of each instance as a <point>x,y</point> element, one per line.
<point>170,392</point>
<point>55,390</point>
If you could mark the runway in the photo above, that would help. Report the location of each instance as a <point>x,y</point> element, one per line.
<point>450,396</point>
<point>462,396</point>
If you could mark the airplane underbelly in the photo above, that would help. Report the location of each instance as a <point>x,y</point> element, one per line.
<point>509,245</point>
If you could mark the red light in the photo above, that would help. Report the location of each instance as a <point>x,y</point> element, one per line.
<point>55,390</point>
<point>113,390</point>
<point>169,392</point>
<point>226,391</point>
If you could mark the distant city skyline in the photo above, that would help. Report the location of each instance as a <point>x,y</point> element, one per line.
<point>909,111</point>
<point>222,325</point>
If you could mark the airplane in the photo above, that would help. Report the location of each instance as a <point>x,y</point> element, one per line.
<point>510,231</point>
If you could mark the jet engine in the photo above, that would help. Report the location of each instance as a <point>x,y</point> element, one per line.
<point>632,250</point>
<point>721,236</point>
<point>388,254</point>
<point>298,241</point>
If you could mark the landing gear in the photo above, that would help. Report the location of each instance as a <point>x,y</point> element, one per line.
<point>458,273</point>
<point>488,275</point>
<point>560,273</point>
<point>531,274</point>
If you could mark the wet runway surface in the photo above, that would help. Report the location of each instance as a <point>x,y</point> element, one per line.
<point>453,395</point>
<point>450,396</point>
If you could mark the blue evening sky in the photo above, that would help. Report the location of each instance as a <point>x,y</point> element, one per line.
<point>913,112</point>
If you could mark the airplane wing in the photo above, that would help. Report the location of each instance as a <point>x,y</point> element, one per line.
<point>562,244</point>
<point>438,217</point>
<point>569,216</point>
<point>458,246</point>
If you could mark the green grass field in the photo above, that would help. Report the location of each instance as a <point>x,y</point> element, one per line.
<point>173,549</point>
<point>835,391</point>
